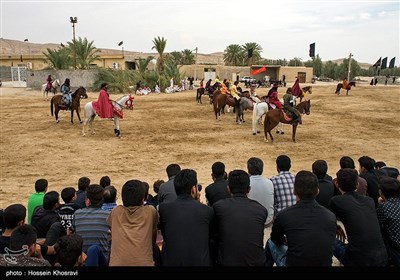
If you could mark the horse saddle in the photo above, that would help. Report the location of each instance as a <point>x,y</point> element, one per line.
<point>286,116</point>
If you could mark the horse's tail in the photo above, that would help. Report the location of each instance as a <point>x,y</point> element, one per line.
<point>51,105</point>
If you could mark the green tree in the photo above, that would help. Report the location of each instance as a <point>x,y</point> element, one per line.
<point>355,68</point>
<point>187,57</point>
<point>159,46</point>
<point>295,62</point>
<point>233,55</point>
<point>329,69</point>
<point>316,64</point>
<point>58,59</point>
<point>86,52</point>
<point>175,57</point>
<point>257,49</point>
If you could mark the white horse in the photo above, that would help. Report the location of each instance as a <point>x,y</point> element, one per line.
<point>259,110</point>
<point>54,86</point>
<point>125,102</point>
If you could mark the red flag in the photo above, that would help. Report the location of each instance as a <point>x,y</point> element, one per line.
<point>258,71</point>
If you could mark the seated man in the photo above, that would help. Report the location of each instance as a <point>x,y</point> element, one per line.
<point>273,100</point>
<point>288,106</point>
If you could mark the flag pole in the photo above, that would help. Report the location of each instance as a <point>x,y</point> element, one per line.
<point>348,73</point>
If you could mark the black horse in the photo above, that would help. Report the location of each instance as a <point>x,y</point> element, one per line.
<point>200,92</point>
<point>340,85</point>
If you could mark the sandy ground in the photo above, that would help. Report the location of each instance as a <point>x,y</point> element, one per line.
<point>164,129</point>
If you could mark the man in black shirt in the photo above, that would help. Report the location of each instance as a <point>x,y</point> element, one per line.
<point>357,212</point>
<point>307,228</point>
<point>219,189</point>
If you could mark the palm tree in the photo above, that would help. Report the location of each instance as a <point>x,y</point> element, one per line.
<point>187,57</point>
<point>159,46</point>
<point>175,57</point>
<point>58,59</point>
<point>86,52</point>
<point>233,55</point>
<point>256,49</point>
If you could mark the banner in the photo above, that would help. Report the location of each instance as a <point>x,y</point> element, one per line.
<point>378,63</point>
<point>258,71</point>
<point>384,63</point>
<point>391,63</point>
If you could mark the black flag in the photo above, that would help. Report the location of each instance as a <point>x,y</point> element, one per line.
<point>391,63</point>
<point>312,50</point>
<point>249,53</point>
<point>120,43</point>
<point>384,63</point>
<point>378,63</point>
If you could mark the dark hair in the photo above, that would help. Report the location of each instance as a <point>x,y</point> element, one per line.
<point>67,194</point>
<point>255,166</point>
<point>67,82</point>
<point>319,168</point>
<point>184,181</point>
<point>157,184</point>
<point>50,200</point>
<point>41,185</point>
<point>23,235</point>
<point>146,190</point>
<point>14,214</point>
<point>218,169</point>
<point>367,162</point>
<point>283,162</point>
<point>133,193</point>
<point>379,164</point>
<point>306,185</point>
<point>68,249</point>
<point>109,194</point>
<point>94,193</point>
<point>390,187</point>
<point>105,181</point>
<point>103,85</point>
<point>173,169</point>
<point>239,181</point>
<point>347,179</point>
<point>83,183</point>
<point>347,162</point>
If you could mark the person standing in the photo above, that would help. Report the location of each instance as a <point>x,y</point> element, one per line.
<point>103,105</point>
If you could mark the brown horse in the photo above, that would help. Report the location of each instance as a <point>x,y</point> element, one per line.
<point>75,104</point>
<point>275,116</point>
<point>304,90</point>
<point>219,103</point>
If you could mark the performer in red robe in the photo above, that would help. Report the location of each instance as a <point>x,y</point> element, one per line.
<point>296,90</point>
<point>103,105</point>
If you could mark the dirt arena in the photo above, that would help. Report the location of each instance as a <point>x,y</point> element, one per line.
<point>172,128</point>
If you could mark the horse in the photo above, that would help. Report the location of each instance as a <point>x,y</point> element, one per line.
<point>54,86</point>
<point>260,109</point>
<point>273,117</point>
<point>125,102</point>
<point>221,100</point>
<point>56,100</point>
<point>340,85</point>
<point>304,90</point>
<point>200,92</point>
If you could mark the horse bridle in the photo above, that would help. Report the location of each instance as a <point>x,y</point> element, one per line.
<point>125,105</point>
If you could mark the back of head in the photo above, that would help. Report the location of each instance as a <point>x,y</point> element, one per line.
<point>103,85</point>
<point>109,194</point>
<point>319,168</point>
<point>22,235</point>
<point>367,162</point>
<point>255,166</point>
<point>306,185</point>
<point>184,181</point>
<point>68,194</point>
<point>13,215</point>
<point>67,82</point>
<point>50,200</point>
<point>347,179</point>
<point>347,162</point>
<point>239,182</point>
<point>105,181</point>
<point>289,90</point>
<point>133,193</point>
<point>41,185</point>
<point>68,249</point>
<point>283,163</point>
<point>218,169</point>
<point>83,183</point>
<point>157,184</point>
<point>390,187</point>
<point>94,193</point>
<point>173,169</point>
<point>379,164</point>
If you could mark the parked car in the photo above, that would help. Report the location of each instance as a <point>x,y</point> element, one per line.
<point>247,80</point>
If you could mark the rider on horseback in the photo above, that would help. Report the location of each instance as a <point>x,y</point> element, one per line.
<point>49,84</point>
<point>66,91</point>
<point>235,94</point>
<point>253,94</point>
<point>288,106</point>
<point>273,97</point>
